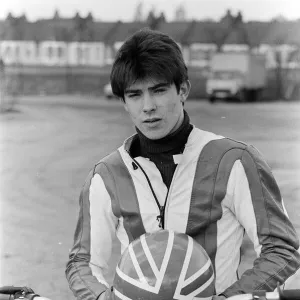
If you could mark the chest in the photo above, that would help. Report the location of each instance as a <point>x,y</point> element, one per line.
<point>189,205</point>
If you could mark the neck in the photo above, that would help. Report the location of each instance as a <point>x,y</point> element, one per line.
<point>173,143</point>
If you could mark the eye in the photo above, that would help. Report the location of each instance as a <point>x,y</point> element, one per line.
<point>133,95</point>
<point>160,90</point>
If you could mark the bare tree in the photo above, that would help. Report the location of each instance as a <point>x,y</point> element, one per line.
<point>278,68</point>
<point>180,13</point>
<point>138,14</point>
<point>292,89</point>
<point>154,20</point>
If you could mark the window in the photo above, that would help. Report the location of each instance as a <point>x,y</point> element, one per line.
<point>60,52</point>
<point>28,53</point>
<point>226,75</point>
<point>7,52</point>
<point>17,52</point>
<point>50,52</point>
<point>86,54</point>
<point>79,54</point>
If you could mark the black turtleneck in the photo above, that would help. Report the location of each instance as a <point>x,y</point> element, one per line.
<point>161,151</point>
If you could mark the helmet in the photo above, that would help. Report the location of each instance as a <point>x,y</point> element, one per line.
<point>164,265</point>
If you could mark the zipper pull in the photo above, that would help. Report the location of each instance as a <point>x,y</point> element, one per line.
<point>160,217</point>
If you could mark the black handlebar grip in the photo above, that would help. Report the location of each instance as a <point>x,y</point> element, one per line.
<point>6,297</point>
<point>14,297</point>
<point>290,295</point>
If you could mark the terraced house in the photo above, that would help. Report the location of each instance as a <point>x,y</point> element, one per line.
<point>72,46</point>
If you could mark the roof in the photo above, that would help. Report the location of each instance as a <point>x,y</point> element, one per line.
<point>174,29</point>
<point>257,32</point>
<point>101,29</point>
<point>208,32</point>
<point>121,31</point>
<point>293,35</point>
<point>283,33</point>
<point>205,32</point>
<point>238,35</point>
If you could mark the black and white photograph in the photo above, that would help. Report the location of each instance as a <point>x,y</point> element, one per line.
<point>150,150</point>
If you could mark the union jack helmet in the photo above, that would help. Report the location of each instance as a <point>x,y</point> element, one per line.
<point>164,265</point>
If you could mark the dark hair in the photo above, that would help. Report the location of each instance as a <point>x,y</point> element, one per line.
<point>147,54</point>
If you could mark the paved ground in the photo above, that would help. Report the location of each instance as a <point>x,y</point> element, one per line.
<point>48,145</point>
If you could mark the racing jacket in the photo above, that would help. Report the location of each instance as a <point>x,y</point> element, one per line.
<point>220,189</point>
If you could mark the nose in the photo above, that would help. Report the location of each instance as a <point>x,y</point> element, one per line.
<point>149,104</point>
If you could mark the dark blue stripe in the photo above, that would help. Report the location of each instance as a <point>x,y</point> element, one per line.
<point>209,189</point>
<point>81,280</point>
<point>120,187</point>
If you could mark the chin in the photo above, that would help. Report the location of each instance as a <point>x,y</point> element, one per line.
<point>155,135</point>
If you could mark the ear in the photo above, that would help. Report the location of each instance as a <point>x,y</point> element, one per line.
<point>185,88</point>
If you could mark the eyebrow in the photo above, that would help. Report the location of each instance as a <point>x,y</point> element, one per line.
<point>154,87</point>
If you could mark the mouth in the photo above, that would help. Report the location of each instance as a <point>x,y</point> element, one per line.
<point>152,123</point>
<point>152,120</point>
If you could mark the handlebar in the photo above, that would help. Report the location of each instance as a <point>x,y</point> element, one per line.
<point>12,297</point>
<point>289,294</point>
<point>13,292</point>
<point>279,294</point>
<point>285,295</point>
<point>6,297</point>
<point>276,295</point>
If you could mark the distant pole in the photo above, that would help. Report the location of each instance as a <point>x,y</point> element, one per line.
<point>138,14</point>
<point>2,85</point>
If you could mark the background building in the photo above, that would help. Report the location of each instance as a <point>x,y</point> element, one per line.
<point>72,47</point>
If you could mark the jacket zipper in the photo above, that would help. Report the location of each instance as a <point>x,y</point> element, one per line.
<point>166,200</point>
<point>160,218</point>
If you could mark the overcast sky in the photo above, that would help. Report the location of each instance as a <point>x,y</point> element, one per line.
<point>112,10</point>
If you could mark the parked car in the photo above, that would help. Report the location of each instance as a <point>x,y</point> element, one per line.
<point>107,90</point>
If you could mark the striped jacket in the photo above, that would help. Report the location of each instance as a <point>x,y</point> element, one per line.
<point>220,189</point>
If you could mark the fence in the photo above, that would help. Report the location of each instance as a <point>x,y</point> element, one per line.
<point>41,80</point>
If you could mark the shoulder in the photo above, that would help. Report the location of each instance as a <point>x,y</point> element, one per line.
<point>115,162</point>
<point>212,147</point>
<point>109,161</point>
<point>225,152</point>
<point>222,147</point>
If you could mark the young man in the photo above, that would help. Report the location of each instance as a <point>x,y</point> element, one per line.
<point>171,175</point>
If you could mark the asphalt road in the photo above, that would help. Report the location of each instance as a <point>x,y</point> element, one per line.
<point>49,144</point>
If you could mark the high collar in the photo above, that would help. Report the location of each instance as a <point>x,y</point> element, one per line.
<point>197,139</point>
<point>171,144</point>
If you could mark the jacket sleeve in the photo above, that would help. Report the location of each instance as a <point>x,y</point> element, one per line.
<point>93,240</point>
<point>258,206</point>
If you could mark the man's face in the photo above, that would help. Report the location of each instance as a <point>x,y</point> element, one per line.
<point>155,107</point>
